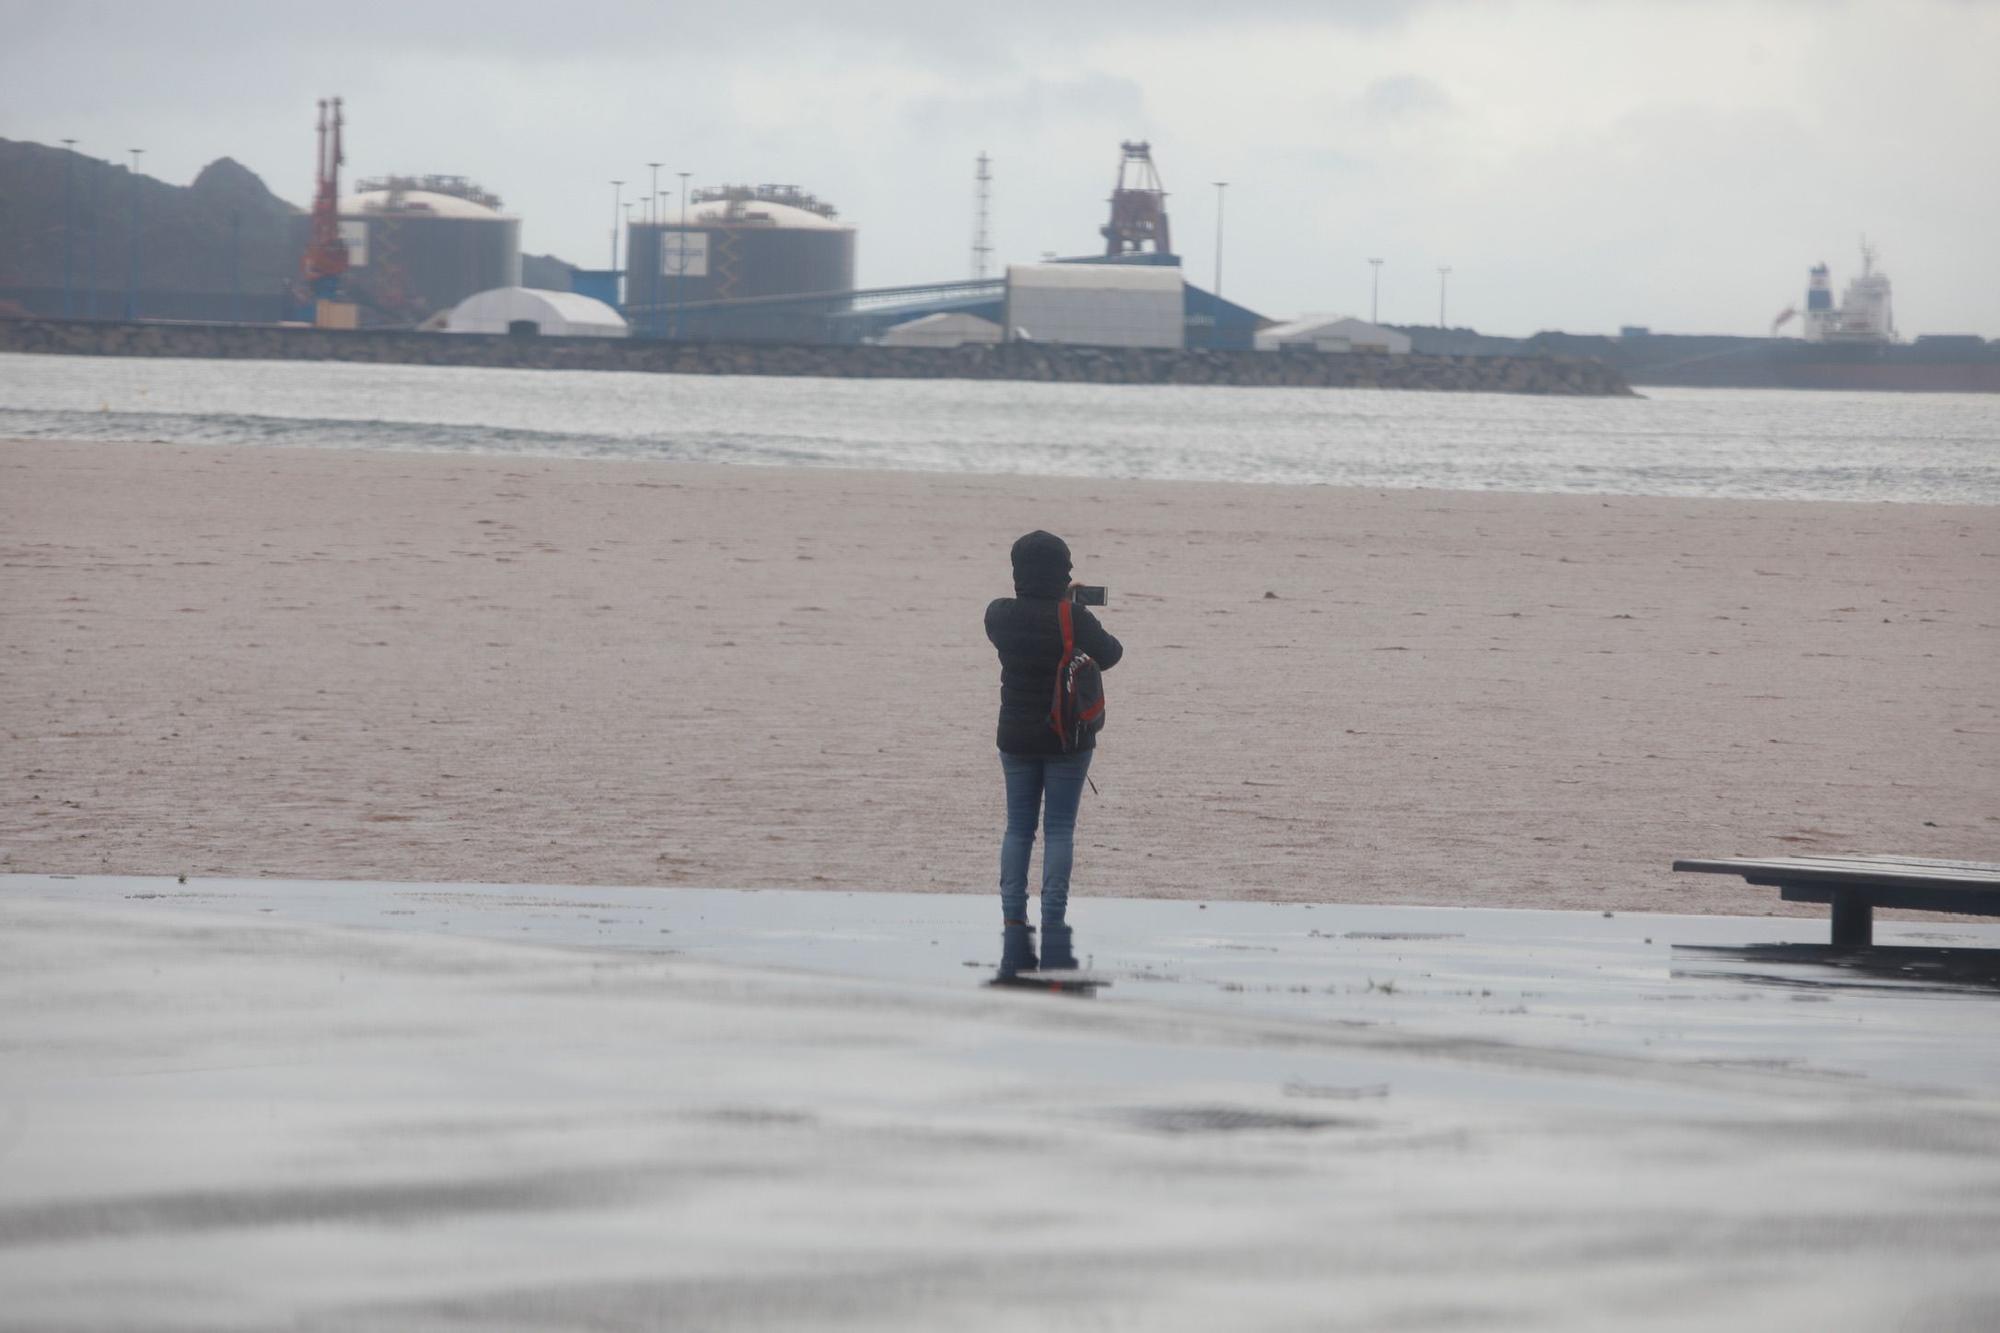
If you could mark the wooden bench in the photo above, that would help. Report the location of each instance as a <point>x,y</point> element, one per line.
<point>1857,885</point>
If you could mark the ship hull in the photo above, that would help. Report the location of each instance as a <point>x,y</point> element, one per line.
<point>1939,365</point>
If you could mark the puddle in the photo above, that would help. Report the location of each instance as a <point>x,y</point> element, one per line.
<point>1921,1009</point>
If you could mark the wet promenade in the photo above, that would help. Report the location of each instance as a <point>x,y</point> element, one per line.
<point>344,1105</point>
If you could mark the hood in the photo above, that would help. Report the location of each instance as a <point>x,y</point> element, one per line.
<point>1041,565</point>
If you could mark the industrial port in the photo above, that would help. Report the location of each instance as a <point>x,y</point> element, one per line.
<point>776,264</point>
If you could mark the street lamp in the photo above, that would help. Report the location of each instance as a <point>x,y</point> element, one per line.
<point>617,212</point>
<point>1375,294</point>
<point>69,225</point>
<point>1443,273</point>
<point>653,218</point>
<point>132,272</point>
<point>681,251</point>
<point>1221,187</point>
<point>236,266</point>
<point>93,217</point>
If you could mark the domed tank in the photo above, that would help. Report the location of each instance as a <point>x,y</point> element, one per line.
<point>736,242</point>
<point>421,244</point>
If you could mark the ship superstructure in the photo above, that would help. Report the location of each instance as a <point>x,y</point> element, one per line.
<point>1864,314</point>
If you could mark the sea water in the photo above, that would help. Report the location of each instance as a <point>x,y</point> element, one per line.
<point>1736,443</point>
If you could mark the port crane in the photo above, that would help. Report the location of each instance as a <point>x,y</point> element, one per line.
<point>1138,209</point>
<point>325,258</point>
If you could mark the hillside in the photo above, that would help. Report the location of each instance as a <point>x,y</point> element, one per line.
<point>200,245</point>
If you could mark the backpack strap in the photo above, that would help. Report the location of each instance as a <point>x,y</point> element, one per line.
<point>1062,669</point>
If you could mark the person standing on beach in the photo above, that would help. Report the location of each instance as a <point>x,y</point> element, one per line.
<point>1041,780</point>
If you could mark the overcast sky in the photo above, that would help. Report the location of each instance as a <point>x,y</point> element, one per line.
<point>1578,165</point>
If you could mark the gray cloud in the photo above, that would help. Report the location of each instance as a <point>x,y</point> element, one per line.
<point>1403,97</point>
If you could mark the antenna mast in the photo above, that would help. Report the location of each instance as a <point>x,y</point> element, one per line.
<point>982,246</point>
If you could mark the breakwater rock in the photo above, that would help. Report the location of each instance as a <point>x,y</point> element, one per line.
<point>1046,362</point>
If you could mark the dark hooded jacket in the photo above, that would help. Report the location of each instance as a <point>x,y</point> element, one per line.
<point>1026,632</point>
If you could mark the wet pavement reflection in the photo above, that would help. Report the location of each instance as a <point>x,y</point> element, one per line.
<point>1822,967</point>
<point>1919,1010</point>
<point>1055,970</point>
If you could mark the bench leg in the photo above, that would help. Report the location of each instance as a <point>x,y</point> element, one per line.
<point>1853,922</point>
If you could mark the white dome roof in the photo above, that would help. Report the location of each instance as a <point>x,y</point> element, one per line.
<point>415,201</point>
<point>557,313</point>
<point>754,213</point>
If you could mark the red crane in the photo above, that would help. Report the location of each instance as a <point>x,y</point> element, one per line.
<point>326,254</point>
<point>1138,209</point>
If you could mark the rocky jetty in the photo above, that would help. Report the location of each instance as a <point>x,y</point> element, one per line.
<point>1010,361</point>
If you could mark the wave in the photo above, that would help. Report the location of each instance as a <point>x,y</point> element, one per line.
<point>1759,453</point>
<point>406,437</point>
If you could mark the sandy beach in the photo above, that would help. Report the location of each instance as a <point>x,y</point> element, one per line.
<point>278,662</point>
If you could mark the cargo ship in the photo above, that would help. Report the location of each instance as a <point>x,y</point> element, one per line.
<point>1852,344</point>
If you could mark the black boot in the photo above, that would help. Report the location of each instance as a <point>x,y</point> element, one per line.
<point>1017,950</point>
<point>1058,948</point>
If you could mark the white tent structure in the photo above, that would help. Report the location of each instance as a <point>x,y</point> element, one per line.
<point>553,314</point>
<point>1333,333</point>
<point>944,329</point>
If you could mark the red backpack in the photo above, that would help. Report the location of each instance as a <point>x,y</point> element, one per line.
<point>1078,708</point>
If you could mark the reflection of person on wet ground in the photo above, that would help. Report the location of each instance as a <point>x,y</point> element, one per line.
<point>1041,780</point>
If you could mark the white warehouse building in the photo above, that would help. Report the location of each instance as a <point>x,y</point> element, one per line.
<point>1099,305</point>
<point>1333,333</point>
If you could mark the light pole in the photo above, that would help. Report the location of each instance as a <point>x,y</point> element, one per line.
<point>653,218</point>
<point>1221,187</point>
<point>617,212</point>
<point>1443,273</point>
<point>1215,332</point>
<point>1375,294</point>
<point>132,271</point>
<point>69,225</point>
<point>681,250</point>
<point>633,291</point>
<point>93,217</point>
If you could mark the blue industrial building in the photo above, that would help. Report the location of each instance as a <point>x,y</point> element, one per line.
<point>864,315</point>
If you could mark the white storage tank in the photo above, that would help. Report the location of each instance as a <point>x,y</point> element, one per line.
<point>737,242</point>
<point>421,244</point>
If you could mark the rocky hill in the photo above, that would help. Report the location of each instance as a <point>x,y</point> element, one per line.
<point>225,234</point>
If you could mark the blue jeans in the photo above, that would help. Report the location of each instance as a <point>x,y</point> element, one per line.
<point>1051,787</point>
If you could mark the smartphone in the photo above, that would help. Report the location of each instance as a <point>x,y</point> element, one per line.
<point>1084,594</point>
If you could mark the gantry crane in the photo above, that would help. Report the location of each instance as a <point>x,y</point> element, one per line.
<point>1138,209</point>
